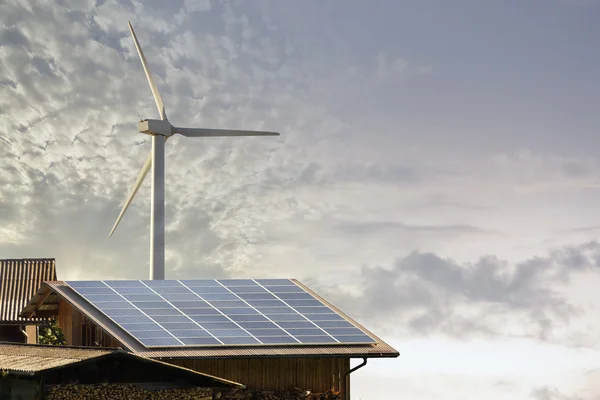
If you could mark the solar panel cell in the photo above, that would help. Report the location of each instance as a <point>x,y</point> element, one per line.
<point>209,318</point>
<point>219,325</point>
<point>180,296</point>
<point>170,289</point>
<point>277,339</point>
<point>295,296</point>
<point>86,284</point>
<point>108,305</point>
<point>285,289</point>
<point>313,310</point>
<point>266,303</point>
<point>133,320</point>
<point>241,311</point>
<point>219,296</point>
<point>228,304</point>
<point>268,311</point>
<point>296,324</point>
<point>161,283</point>
<point>96,291</point>
<point>257,296</point>
<point>221,333</point>
<point>303,303</point>
<point>275,282</point>
<point>316,339</point>
<point>151,304</point>
<point>122,284</point>
<point>314,331</point>
<point>200,311</point>
<point>267,332</point>
<point>200,341</point>
<point>132,290</point>
<point>151,334</point>
<point>355,339</point>
<point>170,318</point>
<point>124,312</point>
<point>287,317</point>
<point>140,297</point>
<point>149,326</point>
<point>248,318</point>
<point>179,325</point>
<point>197,303</point>
<point>189,333</point>
<point>209,290</point>
<point>334,324</point>
<point>239,340</point>
<point>191,283</point>
<point>247,289</point>
<point>152,312</point>
<point>257,325</point>
<point>326,317</point>
<point>237,282</point>
<point>103,297</point>
<point>162,342</point>
<point>344,331</point>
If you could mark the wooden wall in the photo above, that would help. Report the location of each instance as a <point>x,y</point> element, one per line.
<point>80,330</point>
<point>315,374</point>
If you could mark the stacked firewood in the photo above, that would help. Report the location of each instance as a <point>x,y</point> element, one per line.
<point>293,394</point>
<point>124,392</point>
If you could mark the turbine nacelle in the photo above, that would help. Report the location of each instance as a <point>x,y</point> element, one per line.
<point>156,127</point>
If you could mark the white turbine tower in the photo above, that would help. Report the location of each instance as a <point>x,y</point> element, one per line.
<point>160,130</point>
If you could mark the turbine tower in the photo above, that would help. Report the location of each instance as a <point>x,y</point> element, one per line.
<point>160,130</point>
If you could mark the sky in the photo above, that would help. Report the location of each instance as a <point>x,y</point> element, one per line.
<point>437,175</point>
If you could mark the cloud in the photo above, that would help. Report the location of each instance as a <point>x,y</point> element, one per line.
<point>546,393</point>
<point>427,294</point>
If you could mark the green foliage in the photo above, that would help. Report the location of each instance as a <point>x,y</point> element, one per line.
<point>51,333</point>
<point>4,389</point>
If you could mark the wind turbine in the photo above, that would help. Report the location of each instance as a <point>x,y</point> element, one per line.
<point>160,130</point>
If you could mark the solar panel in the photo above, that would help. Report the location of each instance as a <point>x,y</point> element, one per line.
<point>226,312</point>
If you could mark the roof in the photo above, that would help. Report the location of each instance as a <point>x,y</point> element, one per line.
<point>20,279</point>
<point>31,359</point>
<point>34,358</point>
<point>51,292</point>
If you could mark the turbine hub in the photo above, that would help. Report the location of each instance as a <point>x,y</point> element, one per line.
<point>156,127</point>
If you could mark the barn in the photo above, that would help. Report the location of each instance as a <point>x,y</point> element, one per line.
<point>269,334</point>
<point>20,279</point>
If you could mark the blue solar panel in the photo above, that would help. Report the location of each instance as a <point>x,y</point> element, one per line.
<point>219,312</point>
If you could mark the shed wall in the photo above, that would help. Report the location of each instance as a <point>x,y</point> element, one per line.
<point>315,374</point>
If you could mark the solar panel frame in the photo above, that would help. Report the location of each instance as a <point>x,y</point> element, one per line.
<point>264,312</point>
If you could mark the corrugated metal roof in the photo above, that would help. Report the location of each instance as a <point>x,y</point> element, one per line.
<point>33,358</point>
<point>379,349</point>
<point>20,279</point>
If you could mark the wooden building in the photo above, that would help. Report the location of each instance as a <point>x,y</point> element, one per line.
<point>66,372</point>
<point>20,279</point>
<point>318,368</point>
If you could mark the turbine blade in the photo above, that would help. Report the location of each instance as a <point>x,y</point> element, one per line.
<point>136,187</point>
<point>155,93</point>
<point>201,132</point>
